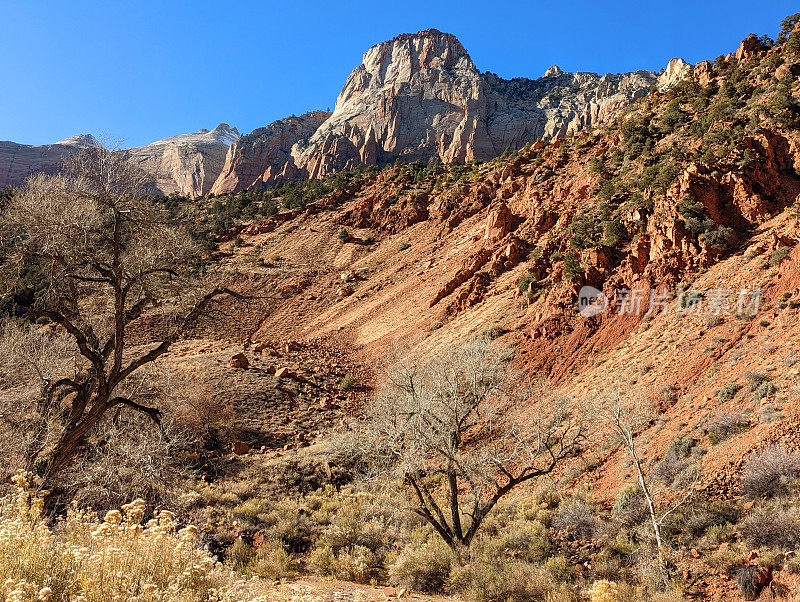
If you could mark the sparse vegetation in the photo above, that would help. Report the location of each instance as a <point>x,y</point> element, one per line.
<point>770,472</point>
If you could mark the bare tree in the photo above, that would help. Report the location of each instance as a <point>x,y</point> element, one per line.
<point>449,429</point>
<point>625,414</point>
<point>108,253</point>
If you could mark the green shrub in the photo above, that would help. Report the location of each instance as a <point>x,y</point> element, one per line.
<point>512,581</point>
<point>524,284</point>
<point>348,382</point>
<point>728,392</point>
<point>630,507</point>
<point>778,255</point>
<point>764,390</point>
<point>690,298</point>
<point>422,566</point>
<point>404,246</point>
<point>572,267</point>
<point>344,235</point>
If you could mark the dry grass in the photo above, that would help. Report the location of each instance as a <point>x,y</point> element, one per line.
<point>83,558</point>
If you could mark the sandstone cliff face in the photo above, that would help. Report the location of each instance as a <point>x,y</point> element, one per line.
<point>187,164</point>
<point>676,70</point>
<point>420,97</point>
<point>18,161</point>
<point>263,156</point>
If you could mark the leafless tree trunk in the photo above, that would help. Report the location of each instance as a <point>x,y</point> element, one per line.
<point>109,253</point>
<point>626,415</point>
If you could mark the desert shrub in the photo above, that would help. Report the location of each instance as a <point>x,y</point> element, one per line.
<point>728,392</point>
<point>344,235</point>
<point>769,472</point>
<point>675,461</point>
<point>524,283</point>
<point>724,426</point>
<point>778,255</point>
<point>422,565</point>
<point>690,298</point>
<point>764,390</point>
<point>271,561</point>
<point>756,379</point>
<point>354,541</point>
<point>354,563</point>
<point>577,519</point>
<point>522,539</point>
<point>770,528</point>
<point>668,394</point>
<point>572,267</point>
<point>512,581</point>
<point>630,507</point>
<point>117,558</point>
<point>348,382</point>
<point>404,246</point>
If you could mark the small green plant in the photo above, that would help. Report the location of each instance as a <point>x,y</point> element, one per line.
<point>728,392</point>
<point>765,389</point>
<point>690,298</point>
<point>778,255</point>
<point>404,246</point>
<point>344,235</point>
<point>572,267</point>
<point>348,382</point>
<point>524,284</point>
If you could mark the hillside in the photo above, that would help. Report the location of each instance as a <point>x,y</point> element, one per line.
<point>691,195</point>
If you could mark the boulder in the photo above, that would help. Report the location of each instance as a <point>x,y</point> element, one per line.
<point>240,447</point>
<point>239,362</point>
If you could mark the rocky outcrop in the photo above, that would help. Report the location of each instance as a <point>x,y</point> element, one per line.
<point>704,72</point>
<point>187,164</point>
<point>676,70</point>
<point>750,47</point>
<point>18,161</point>
<point>263,156</point>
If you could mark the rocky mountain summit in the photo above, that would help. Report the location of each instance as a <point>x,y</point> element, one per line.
<point>416,97</point>
<point>421,97</point>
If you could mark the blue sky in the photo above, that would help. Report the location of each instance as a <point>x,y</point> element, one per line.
<point>138,71</point>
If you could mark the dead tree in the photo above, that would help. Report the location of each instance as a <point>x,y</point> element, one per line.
<point>625,414</point>
<point>456,437</point>
<point>108,253</point>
